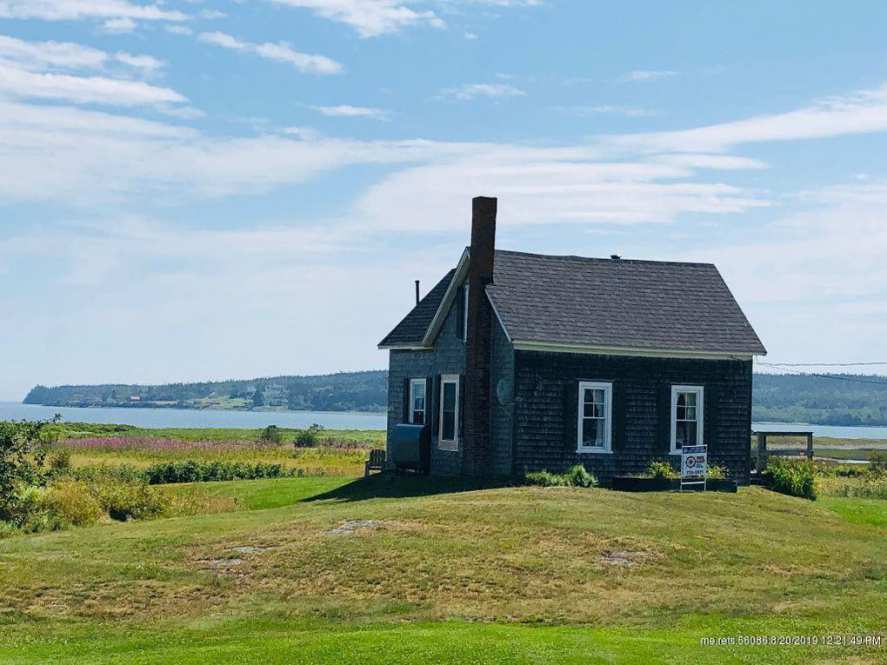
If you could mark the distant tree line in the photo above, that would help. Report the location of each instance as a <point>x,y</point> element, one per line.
<point>345,391</point>
<point>833,399</point>
<point>838,399</point>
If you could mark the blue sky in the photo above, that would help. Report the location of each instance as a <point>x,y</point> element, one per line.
<point>199,190</point>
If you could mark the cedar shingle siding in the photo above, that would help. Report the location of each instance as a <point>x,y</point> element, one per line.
<point>547,398</point>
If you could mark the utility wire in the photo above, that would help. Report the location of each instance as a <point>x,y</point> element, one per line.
<point>864,364</point>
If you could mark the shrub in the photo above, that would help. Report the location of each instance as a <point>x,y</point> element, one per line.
<point>270,435</point>
<point>660,470</point>
<point>192,471</point>
<point>25,507</point>
<point>59,461</point>
<point>125,473</point>
<point>716,472</point>
<point>23,447</point>
<point>579,477</point>
<point>70,502</point>
<point>125,501</point>
<point>305,438</point>
<point>877,465</point>
<point>793,477</point>
<point>576,476</point>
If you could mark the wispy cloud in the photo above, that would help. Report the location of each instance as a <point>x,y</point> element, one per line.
<point>70,10</point>
<point>856,113</point>
<point>471,91</point>
<point>53,70</point>
<point>349,111</point>
<point>279,52</point>
<point>370,18</point>
<point>22,83</point>
<point>119,26</point>
<point>605,109</point>
<point>648,74</point>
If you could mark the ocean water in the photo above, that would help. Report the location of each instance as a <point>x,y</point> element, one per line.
<point>161,418</point>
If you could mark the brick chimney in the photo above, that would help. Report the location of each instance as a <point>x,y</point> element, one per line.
<point>476,444</point>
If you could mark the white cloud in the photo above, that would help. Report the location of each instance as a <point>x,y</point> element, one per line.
<point>41,55</point>
<point>471,91</point>
<point>18,82</point>
<point>119,26</point>
<point>179,30</point>
<point>67,10</point>
<point>471,36</point>
<point>146,63</point>
<point>280,52</point>
<point>856,113</point>
<point>587,111</point>
<point>348,111</point>
<point>370,18</point>
<point>640,75</point>
<point>46,70</point>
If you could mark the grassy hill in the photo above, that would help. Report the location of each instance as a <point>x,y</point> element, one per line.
<point>400,570</point>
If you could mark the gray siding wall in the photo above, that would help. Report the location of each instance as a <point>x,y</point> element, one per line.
<point>502,401</point>
<point>546,405</point>
<point>448,357</point>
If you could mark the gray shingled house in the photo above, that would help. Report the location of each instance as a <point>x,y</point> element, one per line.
<point>518,362</point>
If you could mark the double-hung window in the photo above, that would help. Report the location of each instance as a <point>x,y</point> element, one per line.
<point>595,417</point>
<point>687,406</point>
<point>448,437</point>
<point>417,401</point>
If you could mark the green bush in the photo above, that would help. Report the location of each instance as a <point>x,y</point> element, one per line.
<point>716,472</point>
<point>306,438</point>
<point>579,477</point>
<point>660,470</point>
<point>70,502</point>
<point>270,435</point>
<point>23,448</point>
<point>125,501</point>
<point>877,465</point>
<point>125,473</point>
<point>192,471</point>
<point>793,477</point>
<point>59,461</point>
<point>25,507</point>
<point>576,476</point>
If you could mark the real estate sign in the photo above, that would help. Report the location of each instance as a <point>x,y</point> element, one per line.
<point>693,463</point>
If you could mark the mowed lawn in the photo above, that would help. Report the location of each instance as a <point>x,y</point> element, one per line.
<point>333,570</point>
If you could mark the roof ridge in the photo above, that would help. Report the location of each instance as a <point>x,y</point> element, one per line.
<point>576,257</point>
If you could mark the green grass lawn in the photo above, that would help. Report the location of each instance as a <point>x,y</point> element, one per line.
<point>332,570</point>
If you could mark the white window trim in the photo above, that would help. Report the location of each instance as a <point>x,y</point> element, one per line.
<point>465,314</point>
<point>607,387</point>
<point>412,407</point>
<point>700,414</point>
<point>448,444</point>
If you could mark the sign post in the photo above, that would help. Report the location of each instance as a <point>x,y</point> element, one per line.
<point>694,460</point>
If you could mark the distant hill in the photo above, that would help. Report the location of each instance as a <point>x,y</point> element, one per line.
<point>837,399</point>
<point>831,399</point>
<point>346,391</point>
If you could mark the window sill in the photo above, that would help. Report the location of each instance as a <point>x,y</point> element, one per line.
<point>449,446</point>
<point>595,451</point>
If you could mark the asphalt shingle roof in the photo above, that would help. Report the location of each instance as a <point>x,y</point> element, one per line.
<point>412,328</point>
<point>619,303</point>
<point>622,303</point>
